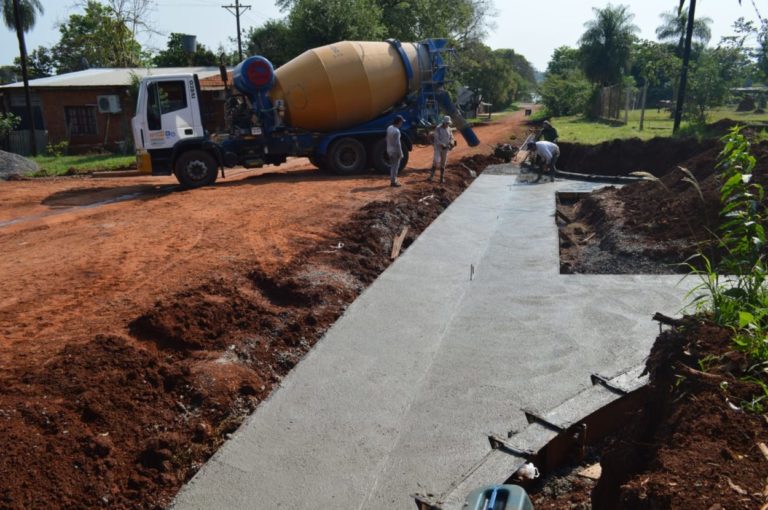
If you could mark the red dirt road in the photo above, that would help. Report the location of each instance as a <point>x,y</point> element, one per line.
<point>74,266</point>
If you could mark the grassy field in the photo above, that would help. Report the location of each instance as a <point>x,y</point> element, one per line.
<point>63,165</point>
<point>576,129</point>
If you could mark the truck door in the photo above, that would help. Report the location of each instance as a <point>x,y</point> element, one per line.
<point>173,112</point>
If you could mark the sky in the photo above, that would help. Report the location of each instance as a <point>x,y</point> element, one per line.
<point>533,29</point>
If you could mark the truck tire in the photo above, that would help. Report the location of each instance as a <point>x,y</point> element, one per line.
<point>196,168</point>
<point>347,156</point>
<point>380,159</point>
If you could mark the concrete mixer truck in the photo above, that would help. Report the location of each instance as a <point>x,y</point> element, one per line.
<point>331,104</point>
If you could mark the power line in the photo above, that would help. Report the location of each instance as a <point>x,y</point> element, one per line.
<point>238,10</point>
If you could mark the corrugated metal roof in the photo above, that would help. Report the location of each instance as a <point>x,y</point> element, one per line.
<point>108,77</point>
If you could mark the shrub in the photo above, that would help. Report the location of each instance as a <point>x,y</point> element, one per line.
<point>57,150</point>
<point>735,291</point>
<point>566,94</point>
<point>8,123</point>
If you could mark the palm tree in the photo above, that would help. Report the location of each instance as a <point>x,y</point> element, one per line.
<point>20,15</point>
<point>673,28</point>
<point>28,10</point>
<point>606,45</point>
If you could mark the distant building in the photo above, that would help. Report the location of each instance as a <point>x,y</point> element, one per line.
<point>92,109</point>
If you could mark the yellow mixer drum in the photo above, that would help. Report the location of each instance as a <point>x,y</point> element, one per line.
<point>343,84</point>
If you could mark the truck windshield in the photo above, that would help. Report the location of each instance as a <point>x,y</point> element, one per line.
<point>164,97</point>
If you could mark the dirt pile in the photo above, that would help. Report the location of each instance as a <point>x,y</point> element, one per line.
<point>691,447</point>
<point>650,227</point>
<point>621,157</point>
<point>123,421</point>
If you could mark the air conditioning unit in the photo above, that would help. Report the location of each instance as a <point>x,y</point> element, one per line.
<point>109,104</point>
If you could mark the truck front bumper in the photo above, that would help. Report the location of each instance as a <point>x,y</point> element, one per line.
<point>143,162</point>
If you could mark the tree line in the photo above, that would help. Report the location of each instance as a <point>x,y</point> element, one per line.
<point>610,53</point>
<point>105,34</point>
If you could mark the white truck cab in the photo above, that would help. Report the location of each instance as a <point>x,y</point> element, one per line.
<point>168,118</point>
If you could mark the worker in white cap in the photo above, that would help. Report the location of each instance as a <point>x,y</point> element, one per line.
<point>444,142</point>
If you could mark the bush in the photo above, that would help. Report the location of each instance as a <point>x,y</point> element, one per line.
<point>8,123</point>
<point>566,94</point>
<point>735,291</point>
<point>57,150</point>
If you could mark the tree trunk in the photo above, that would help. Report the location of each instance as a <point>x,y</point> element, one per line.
<point>684,70</point>
<point>25,76</point>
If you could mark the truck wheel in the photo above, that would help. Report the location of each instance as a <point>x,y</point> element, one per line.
<point>196,168</point>
<point>380,159</point>
<point>347,156</point>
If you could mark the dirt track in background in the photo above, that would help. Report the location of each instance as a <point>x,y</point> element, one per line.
<point>139,324</point>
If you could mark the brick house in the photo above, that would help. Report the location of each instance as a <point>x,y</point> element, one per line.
<point>92,109</point>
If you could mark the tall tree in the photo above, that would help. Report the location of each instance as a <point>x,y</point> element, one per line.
<point>673,26</point>
<point>565,90</point>
<point>95,38</point>
<point>607,44</point>
<point>563,60</point>
<point>40,63</point>
<point>341,19</point>
<point>413,20</point>
<point>653,65</point>
<point>274,40</point>
<point>175,56</point>
<point>28,11</point>
<point>525,74</point>
<point>489,74</point>
<point>20,15</point>
<point>135,14</point>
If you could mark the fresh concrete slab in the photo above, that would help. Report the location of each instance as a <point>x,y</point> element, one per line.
<point>400,395</point>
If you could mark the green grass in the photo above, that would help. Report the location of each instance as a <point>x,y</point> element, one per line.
<point>67,165</point>
<point>576,129</point>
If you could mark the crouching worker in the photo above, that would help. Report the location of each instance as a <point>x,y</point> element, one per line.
<point>444,142</point>
<point>548,152</point>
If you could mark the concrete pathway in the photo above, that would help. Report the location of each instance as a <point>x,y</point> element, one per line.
<point>400,395</point>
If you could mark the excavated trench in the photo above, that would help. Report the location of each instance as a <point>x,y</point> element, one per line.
<point>642,228</point>
<point>689,441</point>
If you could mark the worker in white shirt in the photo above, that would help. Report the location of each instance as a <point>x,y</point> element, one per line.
<point>394,150</point>
<point>444,142</point>
<point>547,151</point>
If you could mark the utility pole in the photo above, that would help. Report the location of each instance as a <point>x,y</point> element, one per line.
<point>25,75</point>
<point>238,10</point>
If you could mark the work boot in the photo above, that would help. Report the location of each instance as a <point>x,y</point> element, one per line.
<point>395,184</point>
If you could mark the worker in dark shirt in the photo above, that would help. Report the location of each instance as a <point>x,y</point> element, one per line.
<point>548,132</point>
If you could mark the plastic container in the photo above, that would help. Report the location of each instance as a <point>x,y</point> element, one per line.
<point>498,497</point>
